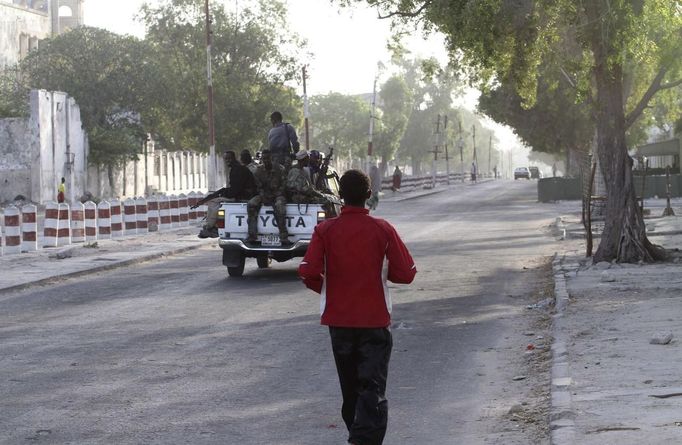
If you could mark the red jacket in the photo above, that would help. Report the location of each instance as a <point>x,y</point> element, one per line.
<point>348,262</point>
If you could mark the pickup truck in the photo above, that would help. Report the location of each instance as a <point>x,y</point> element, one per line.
<point>301,221</point>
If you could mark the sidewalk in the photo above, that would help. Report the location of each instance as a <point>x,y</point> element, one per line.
<point>617,342</point>
<point>45,265</point>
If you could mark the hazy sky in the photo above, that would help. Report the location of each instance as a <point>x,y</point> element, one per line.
<point>347,44</point>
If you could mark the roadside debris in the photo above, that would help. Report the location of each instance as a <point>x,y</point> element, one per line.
<point>661,338</point>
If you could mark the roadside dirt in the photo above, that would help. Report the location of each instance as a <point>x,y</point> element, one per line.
<point>532,359</point>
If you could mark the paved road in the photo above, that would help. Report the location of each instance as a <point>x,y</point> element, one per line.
<point>174,352</point>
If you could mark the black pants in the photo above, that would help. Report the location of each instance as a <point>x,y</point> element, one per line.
<point>362,356</point>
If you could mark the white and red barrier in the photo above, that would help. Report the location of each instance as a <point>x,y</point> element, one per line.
<point>64,225</point>
<point>183,209</point>
<point>141,213</point>
<point>116,219</point>
<point>174,210</point>
<point>77,223</point>
<point>12,231</point>
<point>87,222</point>
<point>29,228</point>
<point>203,208</point>
<point>90,213</point>
<point>104,220</point>
<point>153,213</point>
<point>191,201</point>
<point>129,217</point>
<point>165,220</point>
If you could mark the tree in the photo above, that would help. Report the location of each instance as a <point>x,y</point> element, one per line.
<point>111,77</point>
<point>555,124</point>
<point>507,40</point>
<point>341,121</point>
<point>394,112</point>
<point>254,57</point>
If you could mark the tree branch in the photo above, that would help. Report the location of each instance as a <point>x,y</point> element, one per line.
<point>406,14</point>
<point>648,95</point>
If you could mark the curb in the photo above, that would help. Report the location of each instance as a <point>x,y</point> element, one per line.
<point>561,414</point>
<point>101,268</point>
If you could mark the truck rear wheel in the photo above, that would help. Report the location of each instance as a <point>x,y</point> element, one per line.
<point>263,261</point>
<point>238,270</point>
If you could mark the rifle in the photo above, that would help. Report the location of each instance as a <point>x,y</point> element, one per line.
<point>210,196</point>
<point>327,160</point>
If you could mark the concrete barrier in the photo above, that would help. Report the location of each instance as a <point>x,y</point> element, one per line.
<point>12,231</point>
<point>116,219</point>
<point>174,211</point>
<point>63,225</point>
<point>191,201</point>
<point>104,220</point>
<point>153,213</point>
<point>141,213</point>
<point>164,213</point>
<point>129,217</point>
<point>29,228</point>
<point>77,223</point>
<point>90,211</point>
<point>51,224</point>
<point>183,210</point>
<point>202,209</point>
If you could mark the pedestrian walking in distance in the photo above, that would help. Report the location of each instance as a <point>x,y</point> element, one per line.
<point>348,262</point>
<point>61,191</point>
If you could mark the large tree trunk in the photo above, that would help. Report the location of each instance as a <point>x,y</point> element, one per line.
<point>624,238</point>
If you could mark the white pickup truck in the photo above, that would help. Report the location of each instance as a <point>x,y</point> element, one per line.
<point>301,221</point>
<point>232,230</point>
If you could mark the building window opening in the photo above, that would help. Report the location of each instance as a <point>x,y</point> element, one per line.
<point>65,11</point>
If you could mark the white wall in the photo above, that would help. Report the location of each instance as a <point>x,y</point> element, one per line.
<point>35,153</point>
<point>20,29</point>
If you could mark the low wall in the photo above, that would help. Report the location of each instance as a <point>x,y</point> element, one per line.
<point>15,182</point>
<point>567,189</point>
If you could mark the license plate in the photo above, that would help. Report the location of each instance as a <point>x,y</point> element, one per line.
<point>270,239</point>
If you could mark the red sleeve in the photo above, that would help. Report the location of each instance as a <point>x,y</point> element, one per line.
<point>401,267</point>
<point>311,269</point>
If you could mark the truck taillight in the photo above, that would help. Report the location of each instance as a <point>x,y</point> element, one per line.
<point>321,216</point>
<point>220,222</point>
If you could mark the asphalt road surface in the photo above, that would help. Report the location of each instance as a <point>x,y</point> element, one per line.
<point>175,352</point>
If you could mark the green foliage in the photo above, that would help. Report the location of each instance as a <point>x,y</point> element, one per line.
<point>396,103</point>
<point>253,55</point>
<point>111,77</point>
<point>13,94</point>
<point>342,121</point>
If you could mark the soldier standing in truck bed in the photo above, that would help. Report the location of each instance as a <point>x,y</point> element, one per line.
<point>271,185</point>
<point>282,139</point>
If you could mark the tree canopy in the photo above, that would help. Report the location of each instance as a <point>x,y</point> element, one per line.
<point>505,41</point>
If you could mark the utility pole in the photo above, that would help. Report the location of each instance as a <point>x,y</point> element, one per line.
<point>475,163</point>
<point>445,143</point>
<point>54,17</point>
<point>435,154</point>
<point>306,112</point>
<point>460,143</point>
<point>371,125</point>
<point>490,153</point>
<point>212,162</point>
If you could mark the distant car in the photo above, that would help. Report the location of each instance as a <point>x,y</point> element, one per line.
<point>535,173</point>
<point>521,172</point>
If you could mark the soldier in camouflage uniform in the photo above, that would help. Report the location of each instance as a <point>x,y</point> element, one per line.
<point>271,186</point>
<point>299,186</point>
